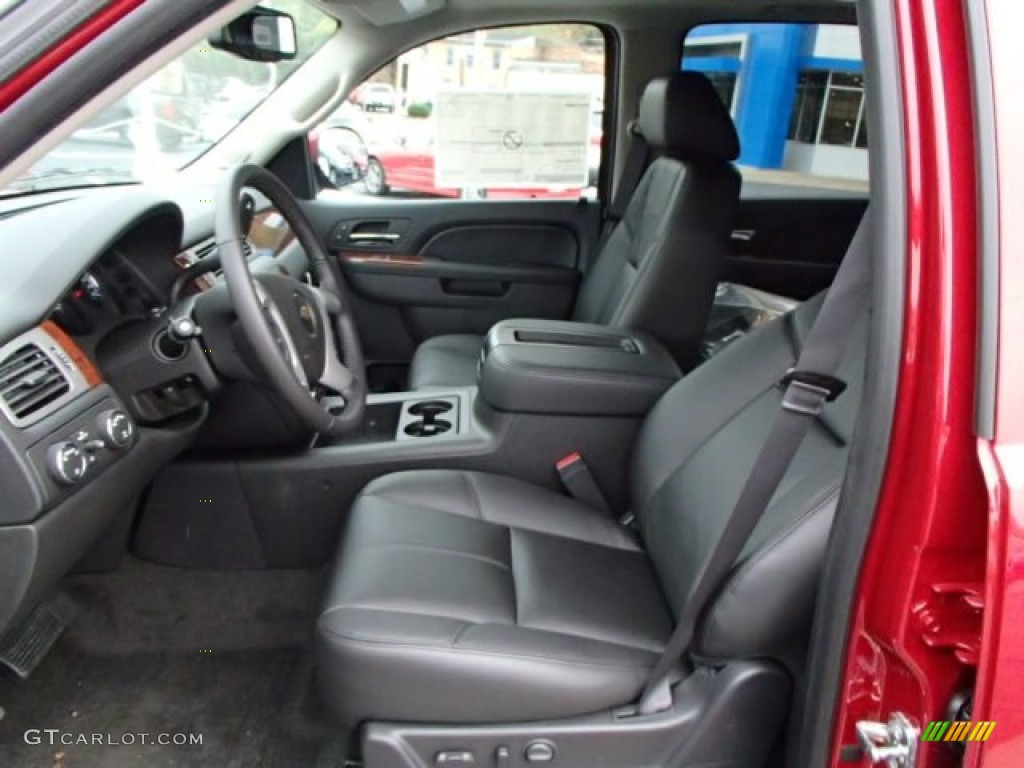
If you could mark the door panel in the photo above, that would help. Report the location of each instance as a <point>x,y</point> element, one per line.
<point>421,268</point>
<point>531,244</point>
<point>792,246</point>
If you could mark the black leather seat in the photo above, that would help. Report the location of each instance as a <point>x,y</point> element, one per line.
<point>658,270</point>
<point>467,597</point>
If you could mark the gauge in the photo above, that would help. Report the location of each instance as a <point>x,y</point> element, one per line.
<point>91,288</point>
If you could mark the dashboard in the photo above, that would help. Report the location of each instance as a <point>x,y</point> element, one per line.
<point>136,277</point>
<point>112,290</point>
<point>89,409</point>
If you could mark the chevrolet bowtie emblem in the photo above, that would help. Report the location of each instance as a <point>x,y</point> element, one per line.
<point>308,317</point>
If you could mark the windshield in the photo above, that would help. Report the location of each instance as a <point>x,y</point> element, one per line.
<point>173,117</point>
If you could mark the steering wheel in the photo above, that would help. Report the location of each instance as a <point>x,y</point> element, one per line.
<point>294,328</point>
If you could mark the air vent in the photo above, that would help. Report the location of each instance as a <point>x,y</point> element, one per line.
<point>210,247</point>
<point>29,381</point>
<point>202,251</point>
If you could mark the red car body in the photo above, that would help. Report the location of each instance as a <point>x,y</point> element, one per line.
<point>941,595</point>
<point>916,635</point>
<point>942,591</point>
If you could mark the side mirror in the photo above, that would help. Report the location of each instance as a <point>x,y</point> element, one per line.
<point>261,34</point>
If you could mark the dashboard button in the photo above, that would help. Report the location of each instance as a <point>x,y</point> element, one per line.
<point>116,429</point>
<point>539,752</point>
<point>67,463</point>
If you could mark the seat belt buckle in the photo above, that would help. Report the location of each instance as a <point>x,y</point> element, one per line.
<point>579,482</point>
<point>807,391</point>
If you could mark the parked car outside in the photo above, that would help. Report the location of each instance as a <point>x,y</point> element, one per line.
<point>375,97</point>
<point>340,154</point>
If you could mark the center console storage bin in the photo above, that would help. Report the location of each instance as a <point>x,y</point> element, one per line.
<point>545,366</point>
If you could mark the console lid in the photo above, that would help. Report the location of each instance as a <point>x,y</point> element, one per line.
<point>545,366</point>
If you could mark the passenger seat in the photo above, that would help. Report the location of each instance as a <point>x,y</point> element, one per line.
<point>658,269</point>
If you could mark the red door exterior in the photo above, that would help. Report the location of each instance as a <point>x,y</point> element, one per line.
<point>945,564</point>
<point>1000,688</point>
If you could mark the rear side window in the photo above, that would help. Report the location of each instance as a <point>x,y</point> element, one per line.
<point>796,93</point>
<point>506,113</point>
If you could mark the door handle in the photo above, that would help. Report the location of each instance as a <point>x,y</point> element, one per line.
<point>743,235</point>
<point>374,237</point>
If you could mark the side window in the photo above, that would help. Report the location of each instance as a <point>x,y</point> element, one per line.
<point>508,113</point>
<point>796,93</point>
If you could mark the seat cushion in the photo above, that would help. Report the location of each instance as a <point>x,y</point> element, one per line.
<point>446,361</point>
<point>468,597</point>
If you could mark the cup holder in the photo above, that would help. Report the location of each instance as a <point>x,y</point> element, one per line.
<point>426,415</point>
<point>430,409</point>
<point>428,428</point>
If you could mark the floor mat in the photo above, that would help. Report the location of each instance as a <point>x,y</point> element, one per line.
<point>177,655</point>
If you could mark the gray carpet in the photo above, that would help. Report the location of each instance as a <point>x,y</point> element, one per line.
<point>160,650</point>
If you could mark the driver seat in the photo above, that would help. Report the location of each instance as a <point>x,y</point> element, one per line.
<point>465,597</point>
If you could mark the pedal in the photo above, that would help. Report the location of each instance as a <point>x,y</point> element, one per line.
<point>24,645</point>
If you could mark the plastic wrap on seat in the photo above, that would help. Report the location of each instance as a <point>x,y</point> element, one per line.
<point>736,311</point>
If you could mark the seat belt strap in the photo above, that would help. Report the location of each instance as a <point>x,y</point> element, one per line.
<point>638,157</point>
<point>808,386</point>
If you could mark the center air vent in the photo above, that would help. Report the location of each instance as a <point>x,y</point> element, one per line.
<point>29,381</point>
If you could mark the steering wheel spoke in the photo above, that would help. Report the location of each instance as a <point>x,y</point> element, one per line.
<point>337,377</point>
<point>330,301</point>
<point>282,336</point>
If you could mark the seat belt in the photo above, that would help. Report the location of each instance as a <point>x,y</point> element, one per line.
<point>808,386</point>
<point>638,157</point>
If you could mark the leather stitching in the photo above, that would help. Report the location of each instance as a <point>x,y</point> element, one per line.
<point>642,383</point>
<point>438,550</point>
<point>473,496</point>
<point>642,265</point>
<point>512,577</point>
<point>617,538</point>
<point>461,652</point>
<point>722,424</point>
<point>395,612</point>
<point>408,504</point>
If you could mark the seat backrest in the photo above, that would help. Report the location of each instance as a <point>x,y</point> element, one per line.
<point>658,269</point>
<point>692,458</point>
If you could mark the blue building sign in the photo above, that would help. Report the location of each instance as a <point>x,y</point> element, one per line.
<point>796,93</point>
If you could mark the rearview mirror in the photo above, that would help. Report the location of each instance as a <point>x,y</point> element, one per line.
<point>261,34</point>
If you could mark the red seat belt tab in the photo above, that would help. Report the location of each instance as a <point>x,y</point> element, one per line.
<point>580,483</point>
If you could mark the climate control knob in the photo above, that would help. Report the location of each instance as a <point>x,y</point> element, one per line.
<point>116,429</point>
<point>66,463</point>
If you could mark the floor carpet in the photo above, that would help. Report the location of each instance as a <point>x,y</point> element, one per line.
<point>157,650</point>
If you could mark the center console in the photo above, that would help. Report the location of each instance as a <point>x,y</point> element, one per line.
<point>544,390</point>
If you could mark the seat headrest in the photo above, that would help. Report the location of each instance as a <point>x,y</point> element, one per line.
<point>682,116</point>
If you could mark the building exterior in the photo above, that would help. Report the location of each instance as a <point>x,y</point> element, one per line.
<point>513,58</point>
<point>796,92</point>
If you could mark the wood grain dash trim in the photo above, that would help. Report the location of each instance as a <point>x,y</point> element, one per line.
<point>365,257</point>
<point>78,357</point>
